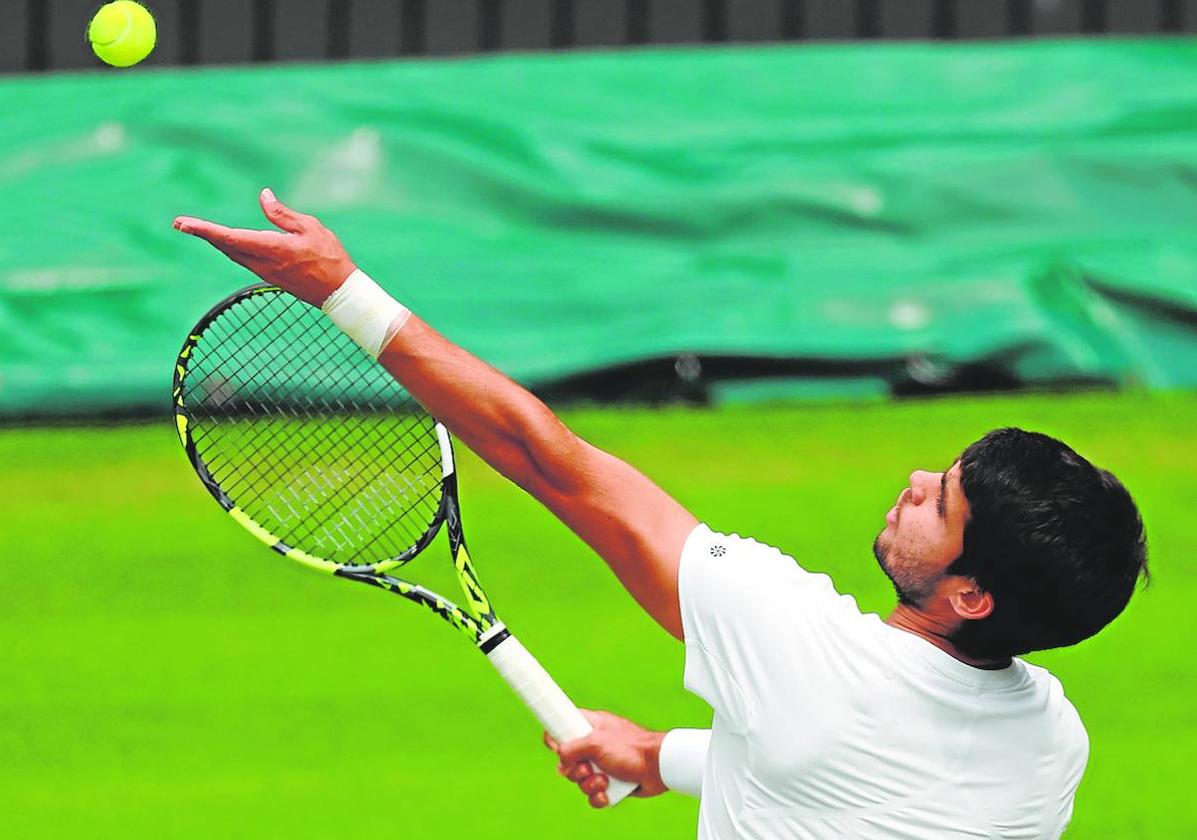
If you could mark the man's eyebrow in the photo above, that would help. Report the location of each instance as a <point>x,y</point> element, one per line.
<point>943,494</point>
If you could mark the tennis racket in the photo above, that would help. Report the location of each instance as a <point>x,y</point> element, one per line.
<point>317,451</point>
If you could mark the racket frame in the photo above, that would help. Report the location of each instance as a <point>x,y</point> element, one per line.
<point>477,620</point>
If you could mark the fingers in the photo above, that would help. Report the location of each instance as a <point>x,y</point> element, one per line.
<point>576,772</point>
<point>580,771</point>
<point>575,766</point>
<point>282,215</point>
<point>593,784</point>
<point>244,239</point>
<point>224,238</point>
<point>579,750</point>
<point>198,227</point>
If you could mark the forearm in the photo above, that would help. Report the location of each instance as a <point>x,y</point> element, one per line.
<point>506,425</point>
<point>629,522</point>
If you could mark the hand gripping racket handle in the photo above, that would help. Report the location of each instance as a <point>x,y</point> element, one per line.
<point>556,712</point>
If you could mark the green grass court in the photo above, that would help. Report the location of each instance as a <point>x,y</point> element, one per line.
<point>167,676</point>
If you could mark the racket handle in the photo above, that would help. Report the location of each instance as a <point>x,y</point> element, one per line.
<point>556,712</point>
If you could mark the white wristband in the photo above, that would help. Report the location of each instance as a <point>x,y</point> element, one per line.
<point>365,312</point>
<point>683,758</point>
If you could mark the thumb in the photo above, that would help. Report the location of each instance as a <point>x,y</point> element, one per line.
<point>282,215</point>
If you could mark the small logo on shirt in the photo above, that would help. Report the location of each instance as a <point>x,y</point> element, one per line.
<point>718,551</point>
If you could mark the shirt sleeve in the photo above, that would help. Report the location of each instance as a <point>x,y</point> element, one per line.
<point>747,611</point>
<point>683,759</point>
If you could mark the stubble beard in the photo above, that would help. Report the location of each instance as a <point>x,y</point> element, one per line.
<point>912,589</point>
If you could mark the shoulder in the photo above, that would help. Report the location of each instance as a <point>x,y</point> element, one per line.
<point>750,583</point>
<point>1059,713</point>
<point>743,562</point>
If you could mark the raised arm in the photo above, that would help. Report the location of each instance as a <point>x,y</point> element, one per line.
<point>635,526</point>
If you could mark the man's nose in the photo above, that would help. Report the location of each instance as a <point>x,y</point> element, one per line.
<point>918,486</point>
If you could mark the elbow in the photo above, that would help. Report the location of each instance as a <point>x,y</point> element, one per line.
<point>555,458</point>
<point>542,457</point>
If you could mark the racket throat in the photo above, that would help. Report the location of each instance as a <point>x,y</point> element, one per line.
<point>493,637</point>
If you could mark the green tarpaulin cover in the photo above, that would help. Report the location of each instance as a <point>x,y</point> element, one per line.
<point>875,216</point>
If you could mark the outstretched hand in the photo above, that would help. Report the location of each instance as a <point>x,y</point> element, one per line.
<point>304,257</point>
<point>620,747</point>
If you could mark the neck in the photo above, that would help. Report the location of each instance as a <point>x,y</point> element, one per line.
<point>935,630</point>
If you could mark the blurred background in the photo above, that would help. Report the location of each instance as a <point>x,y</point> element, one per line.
<point>777,253</point>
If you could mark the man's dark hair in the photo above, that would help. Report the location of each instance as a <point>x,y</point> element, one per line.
<point>1056,541</point>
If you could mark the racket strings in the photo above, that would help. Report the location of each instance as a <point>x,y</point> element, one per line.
<point>354,498</point>
<point>234,480</point>
<point>290,409</point>
<point>308,435</point>
<point>312,408</point>
<point>321,484</point>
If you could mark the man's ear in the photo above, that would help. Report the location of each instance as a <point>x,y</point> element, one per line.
<point>970,601</point>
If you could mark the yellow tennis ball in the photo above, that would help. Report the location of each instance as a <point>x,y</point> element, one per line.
<point>122,33</point>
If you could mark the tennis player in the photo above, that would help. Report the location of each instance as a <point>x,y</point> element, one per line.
<point>828,722</point>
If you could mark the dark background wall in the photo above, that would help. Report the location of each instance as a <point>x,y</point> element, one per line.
<point>49,34</point>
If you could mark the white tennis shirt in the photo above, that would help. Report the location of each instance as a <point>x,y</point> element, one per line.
<point>830,723</point>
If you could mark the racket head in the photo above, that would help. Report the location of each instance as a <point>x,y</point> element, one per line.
<point>305,440</point>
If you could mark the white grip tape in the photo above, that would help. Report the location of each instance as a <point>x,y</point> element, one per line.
<point>365,312</point>
<point>556,712</point>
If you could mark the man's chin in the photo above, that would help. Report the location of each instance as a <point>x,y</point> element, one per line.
<point>907,596</point>
<point>881,553</point>
<point>881,550</point>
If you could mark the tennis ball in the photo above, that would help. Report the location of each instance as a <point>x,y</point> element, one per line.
<point>122,33</point>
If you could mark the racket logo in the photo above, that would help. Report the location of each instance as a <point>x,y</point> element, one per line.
<point>478,602</point>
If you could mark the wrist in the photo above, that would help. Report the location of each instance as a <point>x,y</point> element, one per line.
<point>652,783</point>
<point>365,312</point>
